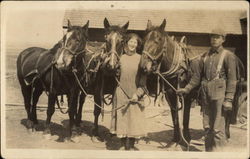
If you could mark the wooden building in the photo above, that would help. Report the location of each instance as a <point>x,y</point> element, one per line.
<point>194,24</point>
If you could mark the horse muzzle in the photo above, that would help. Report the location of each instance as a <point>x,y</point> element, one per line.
<point>62,67</point>
<point>148,68</point>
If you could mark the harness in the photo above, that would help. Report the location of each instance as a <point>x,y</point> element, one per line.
<point>51,66</point>
<point>220,63</point>
<point>177,67</point>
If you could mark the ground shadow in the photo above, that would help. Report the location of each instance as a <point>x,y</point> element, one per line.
<point>56,129</point>
<point>86,127</point>
<point>164,138</point>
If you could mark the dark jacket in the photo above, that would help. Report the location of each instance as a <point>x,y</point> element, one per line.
<point>204,68</point>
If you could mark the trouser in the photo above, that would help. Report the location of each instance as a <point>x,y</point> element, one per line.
<point>128,142</point>
<point>214,125</point>
<point>213,93</point>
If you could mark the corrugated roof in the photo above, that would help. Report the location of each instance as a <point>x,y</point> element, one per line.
<point>194,21</point>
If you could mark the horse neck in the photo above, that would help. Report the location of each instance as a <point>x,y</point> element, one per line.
<point>168,55</point>
<point>55,48</point>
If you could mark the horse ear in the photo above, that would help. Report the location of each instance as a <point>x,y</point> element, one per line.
<point>86,26</point>
<point>125,27</point>
<point>106,23</point>
<point>163,25</point>
<point>149,25</point>
<point>69,25</point>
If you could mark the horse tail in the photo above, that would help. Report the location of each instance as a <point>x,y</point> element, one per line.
<point>241,76</point>
<point>19,68</point>
<point>240,69</point>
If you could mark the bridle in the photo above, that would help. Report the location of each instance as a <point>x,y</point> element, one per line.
<point>113,53</point>
<point>75,54</point>
<point>154,59</point>
<point>177,59</point>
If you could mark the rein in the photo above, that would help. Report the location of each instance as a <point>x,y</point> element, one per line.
<point>94,55</point>
<point>73,53</point>
<point>175,65</point>
<point>126,94</point>
<point>85,93</point>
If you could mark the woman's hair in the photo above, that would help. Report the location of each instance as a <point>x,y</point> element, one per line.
<point>133,35</point>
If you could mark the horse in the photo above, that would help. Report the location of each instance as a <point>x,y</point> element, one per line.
<point>54,72</point>
<point>165,57</point>
<point>104,81</point>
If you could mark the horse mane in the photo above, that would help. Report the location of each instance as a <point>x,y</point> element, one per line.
<point>115,28</point>
<point>189,50</point>
<point>156,28</point>
<point>54,49</point>
<point>190,53</point>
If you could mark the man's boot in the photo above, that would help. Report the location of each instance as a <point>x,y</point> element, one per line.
<point>127,144</point>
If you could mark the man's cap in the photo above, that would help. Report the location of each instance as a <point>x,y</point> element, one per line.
<point>218,31</point>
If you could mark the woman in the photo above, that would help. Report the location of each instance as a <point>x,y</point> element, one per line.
<point>128,123</point>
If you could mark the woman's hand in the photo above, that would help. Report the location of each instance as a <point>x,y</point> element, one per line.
<point>134,98</point>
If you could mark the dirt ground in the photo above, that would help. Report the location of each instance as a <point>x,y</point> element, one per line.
<point>159,126</point>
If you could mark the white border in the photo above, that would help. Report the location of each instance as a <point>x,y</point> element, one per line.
<point>43,153</point>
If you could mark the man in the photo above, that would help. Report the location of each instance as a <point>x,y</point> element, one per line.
<point>216,70</point>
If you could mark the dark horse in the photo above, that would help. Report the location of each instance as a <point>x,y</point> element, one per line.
<point>164,55</point>
<point>103,82</point>
<point>39,70</point>
<point>173,62</point>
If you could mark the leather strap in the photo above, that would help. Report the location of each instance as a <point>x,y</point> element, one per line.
<point>219,66</point>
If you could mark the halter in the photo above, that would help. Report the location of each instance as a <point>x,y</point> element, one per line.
<point>94,55</point>
<point>155,58</point>
<point>73,53</point>
<point>115,53</point>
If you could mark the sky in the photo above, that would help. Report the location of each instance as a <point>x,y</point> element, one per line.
<point>41,22</point>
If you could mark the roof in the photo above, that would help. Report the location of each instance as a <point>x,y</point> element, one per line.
<point>194,21</point>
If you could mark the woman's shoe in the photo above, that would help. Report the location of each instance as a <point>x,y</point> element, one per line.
<point>134,149</point>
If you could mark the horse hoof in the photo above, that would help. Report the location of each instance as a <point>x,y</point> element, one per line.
<point>75,139</point>
<point>29,124</point>
<point>47,136</point>
<point>96,139</point>
<point>67,140</point>
<point>29,130</point>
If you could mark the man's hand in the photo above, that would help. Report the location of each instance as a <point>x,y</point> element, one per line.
<point>182,91</point>
<point>227,105</point>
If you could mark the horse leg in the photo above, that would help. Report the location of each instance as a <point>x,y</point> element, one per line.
<point>79,112</point>
<point>227,125</point>
<point>50,112</point>
<point>26,91</point>
<point>186,117</point>
<point>97,112</point>
<point>171,99</point>
<point>72,113</point>
<point>36,94</point>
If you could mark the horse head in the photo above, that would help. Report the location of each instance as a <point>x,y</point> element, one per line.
<point>72,47</point>
<point>154,43</point>
<point>114,37</point>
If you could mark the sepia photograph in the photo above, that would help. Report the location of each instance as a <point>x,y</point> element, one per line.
<point>125,79</point>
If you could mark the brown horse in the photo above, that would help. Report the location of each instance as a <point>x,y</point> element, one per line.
<point>103,81</point>
<point>164,56</point>
<point>39,70</point>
